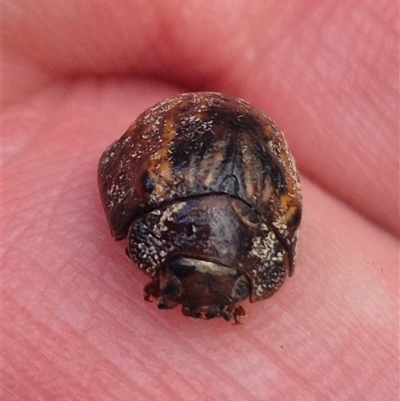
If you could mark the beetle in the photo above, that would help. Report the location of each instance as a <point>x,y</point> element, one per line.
<point>207,193</point>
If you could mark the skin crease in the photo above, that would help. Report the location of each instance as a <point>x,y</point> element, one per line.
<point>75,75</point>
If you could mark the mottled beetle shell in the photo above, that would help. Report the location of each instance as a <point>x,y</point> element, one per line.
<point>207,192</point>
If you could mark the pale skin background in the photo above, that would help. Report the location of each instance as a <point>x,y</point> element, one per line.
<point>75,75</point>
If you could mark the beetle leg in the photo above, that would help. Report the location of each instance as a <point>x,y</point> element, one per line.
<point>166,304</point>
<point>151,291</point>
<point>187,311</point>
<point>239,314</point>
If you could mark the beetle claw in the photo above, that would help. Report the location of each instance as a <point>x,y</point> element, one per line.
<point>239,314</point>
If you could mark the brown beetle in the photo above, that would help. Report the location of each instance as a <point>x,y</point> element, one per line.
<point>207,192</point>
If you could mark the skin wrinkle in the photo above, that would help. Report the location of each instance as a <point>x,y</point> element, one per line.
<point>117,373</point>
<point>223,376</point>
<point>80,334</point>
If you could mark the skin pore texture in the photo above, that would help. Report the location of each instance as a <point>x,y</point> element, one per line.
<point>74,322</point>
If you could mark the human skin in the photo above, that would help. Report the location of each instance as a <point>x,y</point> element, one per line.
<point>74,322</point>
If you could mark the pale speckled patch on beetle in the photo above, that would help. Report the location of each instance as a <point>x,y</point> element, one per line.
<point>204,184</point>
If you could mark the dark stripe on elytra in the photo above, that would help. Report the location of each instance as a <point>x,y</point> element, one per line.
<point>183,150</point>
<point>230,178</point>
<point>271,168</point>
